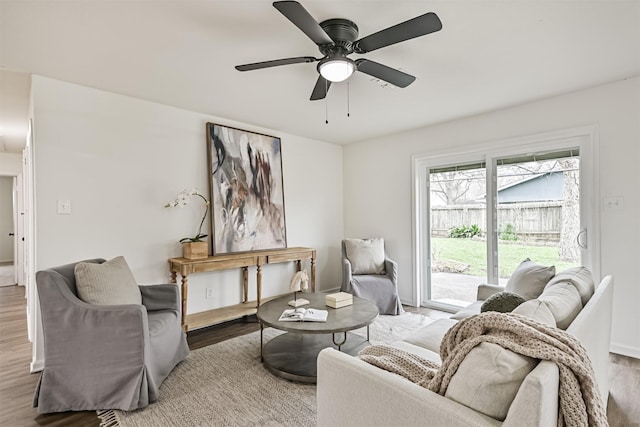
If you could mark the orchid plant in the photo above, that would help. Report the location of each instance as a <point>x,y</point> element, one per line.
<point>181,201</point>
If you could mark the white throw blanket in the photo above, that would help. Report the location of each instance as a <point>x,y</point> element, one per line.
<point>580,404</point>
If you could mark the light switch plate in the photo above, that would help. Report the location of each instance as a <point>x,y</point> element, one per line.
<point>64,207</point>
<point>613,203</point>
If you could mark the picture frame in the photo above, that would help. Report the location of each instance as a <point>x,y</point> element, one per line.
<point>246,187</point>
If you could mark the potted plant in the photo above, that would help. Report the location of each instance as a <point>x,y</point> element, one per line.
<point>192,247</point>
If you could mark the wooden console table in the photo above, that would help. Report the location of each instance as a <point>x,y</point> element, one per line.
<point>184,267</point>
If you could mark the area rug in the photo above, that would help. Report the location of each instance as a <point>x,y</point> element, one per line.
<point>226,385</point>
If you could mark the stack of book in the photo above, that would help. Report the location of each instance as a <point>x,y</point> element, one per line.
<point>340,299</point>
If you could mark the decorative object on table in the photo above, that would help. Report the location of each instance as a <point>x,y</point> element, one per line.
<point>299,282</point>
<point>247,192</point>
<point>339,299</point>
<point>195,250</point>
<point>192,247</point>
<point>304,315</point>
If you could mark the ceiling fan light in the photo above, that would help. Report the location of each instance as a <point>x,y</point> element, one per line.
<point>336,69</point>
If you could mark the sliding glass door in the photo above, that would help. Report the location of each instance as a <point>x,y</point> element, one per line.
<point>479,216</point>
<point>538,213</point>
<point>458,248</point>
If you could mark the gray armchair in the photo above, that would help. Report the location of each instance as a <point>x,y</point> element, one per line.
<point>381,289</point>
<point>105,356</point>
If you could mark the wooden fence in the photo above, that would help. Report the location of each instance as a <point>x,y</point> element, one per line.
<point>536,221</point>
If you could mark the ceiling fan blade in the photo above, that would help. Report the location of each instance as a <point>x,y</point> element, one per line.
<point>275,63</point>
<point>321,88</point>
<point>382,72</point>
<point>416,27</point>
<point>297,14</point>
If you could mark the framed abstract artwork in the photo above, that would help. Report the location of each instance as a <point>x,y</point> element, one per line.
<point>247,190</point>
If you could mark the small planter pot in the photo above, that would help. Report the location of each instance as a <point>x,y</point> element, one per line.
<point>195,250</point>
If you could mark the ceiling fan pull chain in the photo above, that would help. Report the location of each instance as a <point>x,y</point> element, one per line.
<point>348,99</point>
<point>326,105</point>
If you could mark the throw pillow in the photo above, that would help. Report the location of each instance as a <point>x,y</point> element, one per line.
<point>109,283</point>
<point>529,279</point>
<point>489,378</point>
<point>580,277</point>
<point>564,302</point>
<point>366,255</point>
<point>502,302</point>
<point>536,310</point>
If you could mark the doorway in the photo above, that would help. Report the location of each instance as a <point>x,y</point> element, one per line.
<point>481,214</point>
<point>8,270</point>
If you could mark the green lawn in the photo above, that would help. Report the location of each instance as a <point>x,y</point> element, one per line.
<point>474,253</point>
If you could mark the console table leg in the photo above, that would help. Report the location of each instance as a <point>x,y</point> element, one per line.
<point>259,285</point>
<point>245,284</point>
<point>185,327</point>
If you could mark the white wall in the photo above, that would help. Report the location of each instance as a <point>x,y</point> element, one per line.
<point>10,164</point>
<point>377,177</point>
<point>120,159</point>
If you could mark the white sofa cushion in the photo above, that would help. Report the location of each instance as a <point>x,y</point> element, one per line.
<point>580,277</point>
<point>529,279</point>
<point>470,310</point>
<point>488,379</point>
<point>109,283</point>
<point>563,300</point>
<point>366,255</point>
<point>485,291</point>
<point>490,376</point>
<point>537,310</point>
<point>430,336</point>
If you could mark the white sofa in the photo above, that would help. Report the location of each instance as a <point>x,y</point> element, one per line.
<point>351,392</point>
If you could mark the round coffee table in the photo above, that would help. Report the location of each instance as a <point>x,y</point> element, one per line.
<point>293,355</point>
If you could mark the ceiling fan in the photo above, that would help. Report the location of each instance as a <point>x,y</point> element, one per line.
<point>337,38</point>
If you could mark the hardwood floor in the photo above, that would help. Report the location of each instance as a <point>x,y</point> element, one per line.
<point>17,385</point>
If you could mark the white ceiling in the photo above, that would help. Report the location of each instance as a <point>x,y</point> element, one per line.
<point>489,55</point>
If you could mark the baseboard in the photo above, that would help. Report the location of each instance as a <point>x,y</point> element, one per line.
<point>37,366</point>
<point>409,303</point>
<point>625,350</point>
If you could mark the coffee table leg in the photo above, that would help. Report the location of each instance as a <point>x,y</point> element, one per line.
<point>341,343</point>
<point>261,329</point>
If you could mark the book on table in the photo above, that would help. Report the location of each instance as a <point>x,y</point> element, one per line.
<point>304,315</point>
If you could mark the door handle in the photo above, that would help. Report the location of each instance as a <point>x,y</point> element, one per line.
<point>582,242</point>
<point>11,234</point>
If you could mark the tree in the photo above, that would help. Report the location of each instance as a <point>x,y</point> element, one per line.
<point>458,187</point>
<point>569,250</point>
